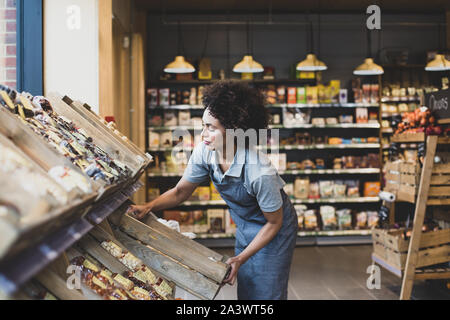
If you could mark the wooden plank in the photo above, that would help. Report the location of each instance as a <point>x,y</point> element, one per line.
<point>432,276</point>
<point>409,137</point>
<point>56,285</point>
<point>188,279</point>
<point>215,270</point>
<point>96,121</point>
<point>94,248</point>
<point>438,202</point>
<point>441,168</point>
<point>105,53</point>
<point>59,266</point>
<point>409,179</point>
<point>440,180</point>
<point>439,191</point>
<point>101,235</point>
<point>406,193</point>
<point>412,168</point>
<point>392,177</point>
<point>113,148</point>
<point>419,217</point>
<point>193,245</point>
<point>432,256</point>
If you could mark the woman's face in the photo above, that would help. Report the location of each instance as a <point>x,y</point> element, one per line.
<point>213,133</point>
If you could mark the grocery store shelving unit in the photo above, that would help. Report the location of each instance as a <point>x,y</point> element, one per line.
<point>304,238</point>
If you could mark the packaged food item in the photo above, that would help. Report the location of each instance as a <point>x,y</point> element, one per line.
<point>346,119</point>
<point>318,121</point>
<point>301,95</point>
<point>153,139</point>
<point>230,226</point>
<point>343,96</point>
<point>152,97</point>
<point>312,95</point>
<point>301,209</point>
<point>271,95</point>
<point>301,188</point>
<point>361,220</point>
<point>193,97</point>
<point>200,221</point>
<point>332,121</point>
<point>216,221</point>
<point>320,164</point>
<point>328,215</point>
<point>310,220</point>
<point>292,95</point>
<point>314,192</point>
<point>335,87</point>
<point>204,193</point>
<point>344,219</point>
<point>281,94</point>
<point>184,118</point>
<point>352,188</point>
<point>289,189</point>
<point>326,189</point>
<point>374,93</point>
<point>215,195</point>
<point>339,189</point>
<point>164,95</point>
<point>371,189</point>
<point>165,139</point>
<point>372,219</point>
<point>322,94</point>
<point>170,118</point>
<point>366,93</point>
<point>362,115</point>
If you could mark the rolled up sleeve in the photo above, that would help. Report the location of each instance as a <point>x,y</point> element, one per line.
<point>267,190</point>
<point>197,170</point>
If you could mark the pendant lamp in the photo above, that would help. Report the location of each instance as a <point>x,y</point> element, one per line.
<point>179,65</point>
<point>439,63</point>
<point>368,67</point>
<point>311,63</point>
<point>248,65</point>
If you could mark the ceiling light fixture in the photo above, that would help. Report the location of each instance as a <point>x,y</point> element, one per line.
<point>248,65</point>
<point>369,67</point>
<point>179,65</point>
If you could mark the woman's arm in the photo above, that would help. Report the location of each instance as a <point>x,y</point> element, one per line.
<point>264,236</point>
<point>172,198</point>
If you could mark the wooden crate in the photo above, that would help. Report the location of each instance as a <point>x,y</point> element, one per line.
<point>408,137</point>
<point>193,267</point>
<point>402,179</point>
<point>391,247</point>
<point>86,112</point>
<point>439,193</point>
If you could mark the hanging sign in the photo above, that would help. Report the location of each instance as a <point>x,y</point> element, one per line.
<point>438,103</point>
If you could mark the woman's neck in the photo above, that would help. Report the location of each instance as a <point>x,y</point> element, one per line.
<point>226,156</point>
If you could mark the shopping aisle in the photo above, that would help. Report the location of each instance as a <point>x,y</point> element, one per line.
<point>339,273</point>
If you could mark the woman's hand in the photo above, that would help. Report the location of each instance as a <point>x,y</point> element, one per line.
<point>140,211</point>
<point>235,264</point>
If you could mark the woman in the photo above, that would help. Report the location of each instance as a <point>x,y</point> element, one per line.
<point>265,218</point>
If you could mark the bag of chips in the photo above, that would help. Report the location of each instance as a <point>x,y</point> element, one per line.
<point>361,220</point>
<point>310,220</point>
<point>328,214</point>
<point>344,219</point>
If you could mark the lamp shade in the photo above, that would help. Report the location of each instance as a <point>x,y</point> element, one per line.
<point>179,65</point>
<point>248,65</point>
<point>311,63</point>
<point>368,68</point>
<point>439,63</point>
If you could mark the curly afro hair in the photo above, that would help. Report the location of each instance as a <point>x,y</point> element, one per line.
<point>236,105</point>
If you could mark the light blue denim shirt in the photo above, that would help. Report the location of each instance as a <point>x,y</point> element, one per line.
<point>261,179</point>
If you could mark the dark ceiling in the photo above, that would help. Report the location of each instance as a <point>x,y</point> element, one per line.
<point>290,6</point>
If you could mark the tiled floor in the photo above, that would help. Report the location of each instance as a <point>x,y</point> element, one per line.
<point>339,273</point>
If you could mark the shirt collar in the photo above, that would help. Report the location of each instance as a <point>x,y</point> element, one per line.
<point>235,169</point>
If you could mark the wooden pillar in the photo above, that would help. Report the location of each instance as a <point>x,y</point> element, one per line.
<point>105,52</point>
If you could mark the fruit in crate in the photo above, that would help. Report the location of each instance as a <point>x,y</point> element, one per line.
<point>418,121</point>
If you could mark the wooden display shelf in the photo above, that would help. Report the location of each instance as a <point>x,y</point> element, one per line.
<point>190,265</point>
<point>408,137</point>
